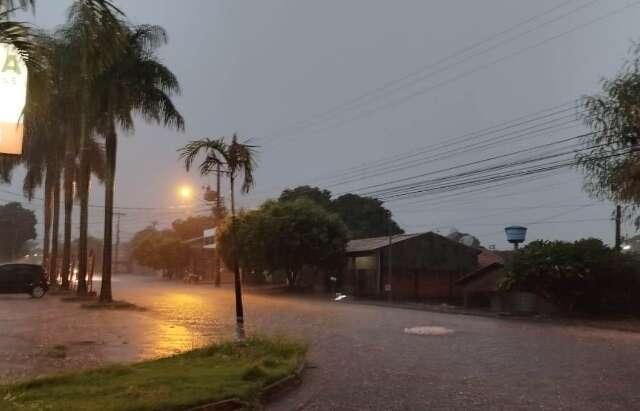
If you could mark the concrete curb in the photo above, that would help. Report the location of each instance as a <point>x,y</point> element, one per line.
<point>268,394</point>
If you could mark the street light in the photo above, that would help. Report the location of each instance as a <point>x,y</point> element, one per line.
<point>185,192</point>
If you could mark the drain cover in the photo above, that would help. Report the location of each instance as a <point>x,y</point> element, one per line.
<point>428,330</point>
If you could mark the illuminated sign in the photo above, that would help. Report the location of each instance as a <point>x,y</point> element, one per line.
<point>13,96</point>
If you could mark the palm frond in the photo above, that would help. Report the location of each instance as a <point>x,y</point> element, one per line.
<point>241,160</point>
<point>214,150</point>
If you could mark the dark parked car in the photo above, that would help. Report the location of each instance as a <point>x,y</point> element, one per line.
<point>23,278</point>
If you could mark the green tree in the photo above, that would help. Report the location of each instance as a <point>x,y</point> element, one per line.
<point>160,250</point>
<point>611,163</point>
<point>14,33</point>
<point>562,272</point>
<point>193,227</point>
<point>135,83</point>
<point>286,236</point>
<point>18,226</point>
<point>315,194</point>
<point>364,216</point>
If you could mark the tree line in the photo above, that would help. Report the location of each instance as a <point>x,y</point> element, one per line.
<point>87,82</point>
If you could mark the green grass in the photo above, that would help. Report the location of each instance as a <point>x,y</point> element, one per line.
<point>186,380</point>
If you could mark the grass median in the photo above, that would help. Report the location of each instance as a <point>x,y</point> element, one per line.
<point>202,376</point>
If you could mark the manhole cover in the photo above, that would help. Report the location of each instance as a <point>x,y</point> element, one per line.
<point>428,330</point>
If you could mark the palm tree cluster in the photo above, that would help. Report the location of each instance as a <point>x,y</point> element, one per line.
<point>93,77</point>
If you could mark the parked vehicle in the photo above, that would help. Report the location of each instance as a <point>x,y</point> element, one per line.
<point>23,278</point>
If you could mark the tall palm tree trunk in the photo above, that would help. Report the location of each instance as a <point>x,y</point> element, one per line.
<point>111,151</point>
<point>55,232</point>
<point>83,191</point>
<point>68,212</point>
<point>48,185</point>
<point>84,177</point>
<point>236,264</point>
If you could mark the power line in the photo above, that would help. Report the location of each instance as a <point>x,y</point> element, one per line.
<point>512,163</point>
<point>465,74</point>
<point>484,178</point>
<point>395,85</point>
<point>514,125</point>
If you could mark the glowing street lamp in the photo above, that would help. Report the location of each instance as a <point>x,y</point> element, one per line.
<point>185,193</point>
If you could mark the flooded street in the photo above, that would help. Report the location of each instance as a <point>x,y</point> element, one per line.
<point>361,357</point>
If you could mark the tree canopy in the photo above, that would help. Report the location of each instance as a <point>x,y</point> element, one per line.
<point>18,226</point>
<point>160,250</point>
<point>315,194</point>
<point>611,162</point>
<point>192,227</point>
<point>285,236</point>
<point>363,216</point>
<point>585,274</point>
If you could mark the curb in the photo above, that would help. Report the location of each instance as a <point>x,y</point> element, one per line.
<point>268,394</point>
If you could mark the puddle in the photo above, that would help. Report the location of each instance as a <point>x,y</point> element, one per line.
<point>428,330</point>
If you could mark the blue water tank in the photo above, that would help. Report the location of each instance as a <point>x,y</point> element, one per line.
<point>516,234</point>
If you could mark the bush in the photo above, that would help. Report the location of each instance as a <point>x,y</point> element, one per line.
<point>585,275</point>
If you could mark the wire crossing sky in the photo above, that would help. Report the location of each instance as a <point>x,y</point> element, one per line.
<point>353,96</point>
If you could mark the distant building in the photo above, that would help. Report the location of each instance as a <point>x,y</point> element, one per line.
<point>203,257</point>
<point>424,266</point>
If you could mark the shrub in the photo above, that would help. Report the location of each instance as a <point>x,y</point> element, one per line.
<point>586,275</point>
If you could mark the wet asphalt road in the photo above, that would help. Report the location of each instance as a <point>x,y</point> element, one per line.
<point>361,359</point>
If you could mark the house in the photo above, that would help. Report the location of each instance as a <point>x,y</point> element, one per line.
<point>481,288</point>
<point>423,266</point>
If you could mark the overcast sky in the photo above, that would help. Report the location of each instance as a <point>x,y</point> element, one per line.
<point>280,72</point>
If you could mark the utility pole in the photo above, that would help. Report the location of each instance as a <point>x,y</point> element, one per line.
<point>618,240</point>
<point>389,263</point>
<point>218,217</point>
<point>118,215</point>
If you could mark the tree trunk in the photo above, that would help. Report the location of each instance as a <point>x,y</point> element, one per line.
<point>48,186</point>
<point>55,234</point>
<point>236,264</point>
<point>68,211</point>
<point>111,149</point>
<point>83,191</point>
<point>83,180</point>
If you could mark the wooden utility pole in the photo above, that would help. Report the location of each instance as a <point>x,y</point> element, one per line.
<point>117,253</point>
<point>618,240</point>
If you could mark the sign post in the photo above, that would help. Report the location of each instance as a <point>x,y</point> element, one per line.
<point>13,97</point>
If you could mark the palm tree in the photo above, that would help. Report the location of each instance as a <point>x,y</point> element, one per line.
<point>136,84</point>
<point>238,160</point>
<point>95,34</point>
<point>16,34</point>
